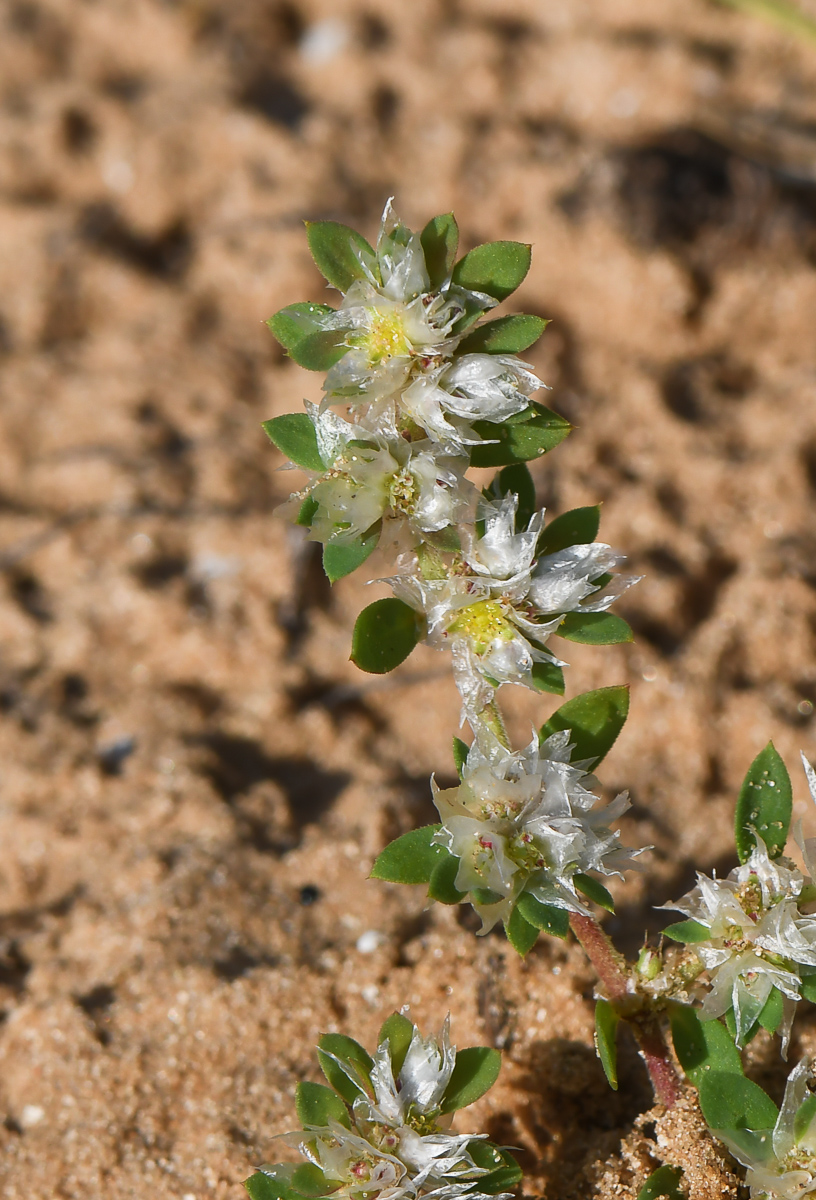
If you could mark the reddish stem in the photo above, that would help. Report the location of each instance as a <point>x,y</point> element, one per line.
<point>614,975</point>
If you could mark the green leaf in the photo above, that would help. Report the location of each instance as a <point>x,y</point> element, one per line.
<point>594,720</point>
<point>332,246</point>
<point>664,1182</point>
<point>521,935</point>
<point>341,558</point>
<point>307,512</point>
<point>516,480</point>
<point>606,1044</point>
<point>578,527</point>
<point>548,677</point>
<point>688,931</point>
<point>496,268</point>
<point>346,1065</point>
<point>410,858</point>
<point>384,635</point>
<point>731,1101</point>
<point>295,322</point>
<point>485,896</point>
<point>309,1180</point>
<point>702,1046</point>
<point>544,916</point>
<point>294,435</point>
<point>594,891</point>
<point>520,440</point>
<point>320,351</point>
<point>804,1117</point>
<point>764,805</point>
<point>507,335</point>
<point>595,629</point>
<point>475,1071</point>
<point>397,1030</point>
<point>807,988</point>
<point>772,1012</point>
<point>266,1187</point>
<point>316,1104</point>
<point>461,750</point>
<point>442,885</point>
<point>504,1171</point>
<point>440,241</point>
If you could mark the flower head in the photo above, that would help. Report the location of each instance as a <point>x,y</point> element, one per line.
<point>527,822</point>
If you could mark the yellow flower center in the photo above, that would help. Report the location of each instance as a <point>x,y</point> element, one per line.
<point>483,623</point>
<point>386,337</point>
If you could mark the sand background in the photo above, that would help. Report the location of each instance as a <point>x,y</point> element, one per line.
<point>194,781</point>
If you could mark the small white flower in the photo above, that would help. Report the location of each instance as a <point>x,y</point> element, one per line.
<point>528,822</point>
<point>782,1166</point>
<point>758,937</point>
<point>497,606</point>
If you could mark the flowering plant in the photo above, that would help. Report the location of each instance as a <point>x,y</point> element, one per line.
<point>418,389</point>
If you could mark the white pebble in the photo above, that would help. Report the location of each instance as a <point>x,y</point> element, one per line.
<point>368,942</point>
<point>31,1115</point>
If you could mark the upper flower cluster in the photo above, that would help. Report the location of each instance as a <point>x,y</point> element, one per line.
<point>528,823</point>
<point>384,1132</point>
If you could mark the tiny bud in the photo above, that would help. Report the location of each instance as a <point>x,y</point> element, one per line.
<point>648,963</point>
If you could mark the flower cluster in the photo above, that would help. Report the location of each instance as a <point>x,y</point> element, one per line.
<point>383,1133</point>
<point>528,823</point>
<point>751,935</point>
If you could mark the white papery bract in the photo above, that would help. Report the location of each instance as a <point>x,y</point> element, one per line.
<point>782,1164</point>
<point>497,605</point>
<point>528,821</point>
<point>369,478</point>
<point>398,1146</point>
<point>759,939</point>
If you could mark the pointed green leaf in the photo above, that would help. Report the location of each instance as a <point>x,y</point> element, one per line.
<point>544,916</point>
<point>341,558</point>
<point>440,241</point>
<point>702,1046</point>
<point>295,322</point>
<point>294,435</point>
<point>595,629</point>
<point>397,1030</point>
<point>578,527</point>
<point>308,1180</point>
<point>307,512</point>
<point>606,1043</point>
<point>461,750</point>
<point>807,988</point>
<point>515,479</point>
<point>320,351</point>
<point>507,335</point>
<point>688,932</point>
<point>804,1117</point>
<point>663,1183</point>
<point>595,891</point>
<point>316,1104</point>
<point>267,1187</point>
<point>521,935</point>
<point>594,720</point>
<point>333,248</point>
<point>496,268</point>
<point>764,805</point>
<point>503,1170</point>
<point>548,677</point>
<point>731,1101</point>
<point>409,859</point>
<point>442,885</point>
<point>384,635</point>
<point>346,1065</point>
<point>519,440</point>
<point>475,1071</point>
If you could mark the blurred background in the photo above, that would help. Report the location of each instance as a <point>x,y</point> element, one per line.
<point>194,780</point>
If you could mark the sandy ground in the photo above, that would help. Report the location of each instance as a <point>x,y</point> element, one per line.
<point>194,779</point>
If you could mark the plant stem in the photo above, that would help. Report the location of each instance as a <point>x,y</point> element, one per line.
<point>615,977</point>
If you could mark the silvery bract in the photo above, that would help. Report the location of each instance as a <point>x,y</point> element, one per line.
<point>528,822</point>
<point>759,939</point>
<point>398,1145</point>
<point>782,1163</point>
